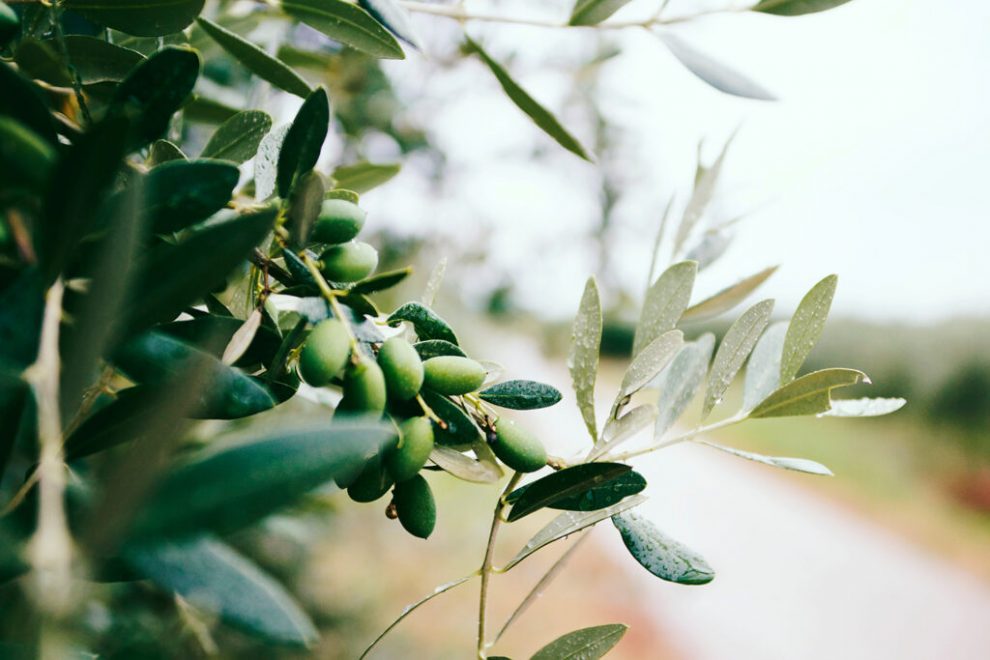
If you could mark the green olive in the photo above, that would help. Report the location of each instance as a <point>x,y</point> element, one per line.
<point>364,388</point>
<point>413,450</point>
<point>415,506</point>
<point>402,367</point>
<point>373,482</point>
<point>349,262</point>
<point>9,24</point>
<point>517,447</point>
<point>325,352</point>
<point>339,221</point>
<point>450,374</point>
<point>25,158</point>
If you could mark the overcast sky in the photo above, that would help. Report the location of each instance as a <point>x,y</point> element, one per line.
<point>870,165</point>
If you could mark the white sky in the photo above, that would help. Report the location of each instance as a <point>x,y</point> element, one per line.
<point>871,165</point>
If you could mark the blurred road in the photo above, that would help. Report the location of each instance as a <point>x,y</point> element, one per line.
<point>797,576</point>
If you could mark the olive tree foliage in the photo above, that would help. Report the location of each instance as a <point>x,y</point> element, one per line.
<point>148,288</point>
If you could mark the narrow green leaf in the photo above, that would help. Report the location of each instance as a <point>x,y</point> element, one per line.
<point>598,495</point>
<point>248,480</point>
<point>665,302</point>
<point>304,140</point>
<point>521,395</point>
<point>620,429</point>
<point>206,110</point>
<point>582,359</point>
<point>763,370</point>
<point>568,484</point>
<point>427,323</point>
<point>142,18</point>
<point>211,333</point>
<point>22,100</point>
<point>163,151</point>
<point>464,467</point>
<point>346,23</point>
<point>659,554</point>
<point>739,340</point>
<point>592,12</point>
<point>305,206</point>
<point>796,7</point>
<point>437,347</point>
<point>461,432</point>
<point>864,407</point>
<point>266,162</point>
<point>806,327</point>
<point>211,575</point>
<point>96,60</point>
<point>728,297</point>
<point>393,16</point>
<point>123,420</point>
<point>256,60</point>
<point>362,177</point>
<point>41,61</point>
<point>238,138</point>
<point>650,362</point>
<point>808,395</point>
<point>382,281</point>
<point>540,115</point>
<point>795,464</point>
<point>154,91</point>
<point>680,382</point>
<point>570,522</point>
<point>716,74</point>
<point>223,392</point>
<point>705,181</point>
<point>182,193</point>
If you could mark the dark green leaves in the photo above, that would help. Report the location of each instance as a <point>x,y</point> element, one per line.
<point>212,576</point>
<point>393,16</point>
<point>460,430</point>
<point>223,392</point>
<point>796,7</point>
<point>304,141</point>
<point>585,644</point>
<point>381,281</point>
<point>592,12</point>
<point>540,115</point>
<point>362,177</point>
<point>143,18</point>
<point>245,482</point>
<point>238,138</point>
<point>427,323</point>
<point>153,91</point>
<point>436,347</point>
<point>256,59</point>
<point>521,395</point>
<point>346,23</point>
<point>808,395</point>
<point>716,74</point>
<point>182,193</point>
<point>22,101</point>
<point>96,60</point>
<point>583,487</point>
<point>660,554</point>
<point>586,487</point>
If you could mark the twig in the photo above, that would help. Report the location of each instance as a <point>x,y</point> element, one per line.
<point>486,564</point>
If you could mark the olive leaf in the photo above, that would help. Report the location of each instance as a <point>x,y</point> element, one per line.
<point>665,301</point>
<point>582,359</point>
<point>437,347</point>
<point>362,177</point>
<point>540,115</point>
<point>620,429</point>
<point>428,324</point>
<point>521,395</point>
<point>393,16</point>
<point>806,327</point>
<point>382,281</point>
<point>304,140</point>
<point>763,370</point>
<point>588,643</point>
<point>650,362</point>
<point>460,431</point>
<point>464,467</point>
<point>864,407</point>
<point>705,181</point>
<point>22,101</point>
<point>346,23</point>
<point>808,395</point>
<point>237,139</point>
<point>143,18</point>
<point>266,162</point>
<point>256,60</point>
<point>795,7</point>
<point>795,464</point>
<point>592,12</point>
<point>598,486</point>
<point>96,60</point>
<point>739,340</point>
<point>181,193</point>
<point>659,554</point>
<point>163,151</point>
<point>680,382</point>
<point>718,75</point>
<point>728,297</point>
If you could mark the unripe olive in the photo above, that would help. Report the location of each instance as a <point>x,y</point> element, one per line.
<point>349,262</point>
<point>517,447</point>
<point>373,482</point>
<point>325,352</point>
<point>340,220</point>
<point>415,507</point>
<point>413,450</point>
<point>364,388</point>
<point>9,23</point>
<point>402,367</point>
<point>450,374</point>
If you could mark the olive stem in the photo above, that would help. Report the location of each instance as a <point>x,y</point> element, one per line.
<point>331,297</point>
<point>486,564</point>
<point>690,435</point>
<point>430,413</point>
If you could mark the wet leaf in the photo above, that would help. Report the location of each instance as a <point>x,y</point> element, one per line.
<point>680,382</point>
<point>362,177</point>
<point>808,395</point>
<point>665,301</point>
<point>461,431</point>
<point>181,193</point>
<point>570,484</point>
<point>727,298</point>
<point>650,361</point>
<point>716,74</point>
<point>304,140</point>
<point>796,7</point>
<point>763,370</point>
<point>238,138</point>
<point>806,327</point>
<point>864,407</point>
<point>592,12</point>
<point>795,464</point>
<point>739,340</point>
<point>266,162</point>
<point>521,395</point>
<point>620,429</point>
<point>142,18</point>
<point>705,181</point>
<point>659,554</point>
<point>427,323</point>
<point>582,360</point>
<point>393,16</point>
<point>305,206</point>
<point>464,467</point>
<point>587,644</point>
<point>437,347</point>
<point>597,495</point>
<point>346,23</point>
<point>382,281</point>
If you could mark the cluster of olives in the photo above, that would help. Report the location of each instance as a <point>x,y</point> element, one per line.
<point>389,383</point>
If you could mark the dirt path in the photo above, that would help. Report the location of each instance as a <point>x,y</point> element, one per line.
<point>798,576</point>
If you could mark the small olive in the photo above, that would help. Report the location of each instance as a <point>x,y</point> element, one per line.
<point>402,367</point>
<point>325,352</point>
<point>517,447</point>
<point>415,506</point>
<point>450,374</point>
<point>340,220</point>
<point>364,388</point>
<point>373,482</point>
<point>413,450</point>
<point>349,262</point>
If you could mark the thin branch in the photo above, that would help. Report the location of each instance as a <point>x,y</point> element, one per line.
<point>486,564</point>
<point>735,419</point>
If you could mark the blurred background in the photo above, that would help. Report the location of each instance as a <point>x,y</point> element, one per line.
<point>869,165</point>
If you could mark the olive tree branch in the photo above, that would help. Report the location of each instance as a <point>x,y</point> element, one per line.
<point>690,435</point>
<point>486,564</point>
